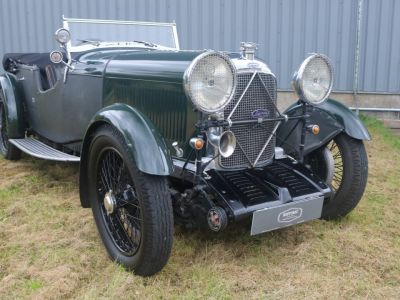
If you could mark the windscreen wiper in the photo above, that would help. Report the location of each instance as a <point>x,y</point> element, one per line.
<point>87,41</point>
<point>146,43</point>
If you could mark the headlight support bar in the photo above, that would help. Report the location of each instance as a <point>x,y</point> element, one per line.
<point>304,120</point>
<point>206,124</point>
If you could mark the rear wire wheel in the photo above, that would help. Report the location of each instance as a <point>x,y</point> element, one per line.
<point>345,170</point>
<point>132,210</point>
<point>7,150</point>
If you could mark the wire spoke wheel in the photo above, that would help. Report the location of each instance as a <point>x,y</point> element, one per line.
<point>3,129</point>
<point>343,165</point>
<point>7,150</point>
<point>132,209</point>
<point>119,204</point>
<point>337,167</point>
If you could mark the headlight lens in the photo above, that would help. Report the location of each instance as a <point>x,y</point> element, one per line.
<point>210,81</point>
<point>314,79</point>
<point>62,36</point>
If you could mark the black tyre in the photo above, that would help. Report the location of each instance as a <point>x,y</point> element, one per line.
<point>347,176</point>
<point>7,150</point>
<point>132,210</point>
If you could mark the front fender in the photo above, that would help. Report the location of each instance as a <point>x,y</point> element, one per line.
<point>352,125</point>
<point>13,106</point>
<point>145,142</point>
<point>332,117</point>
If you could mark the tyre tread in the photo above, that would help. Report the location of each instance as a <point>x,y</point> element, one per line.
<point>157,206</point>
<point>352,189</point>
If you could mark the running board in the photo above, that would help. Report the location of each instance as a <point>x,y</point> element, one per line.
<point>38,149</point>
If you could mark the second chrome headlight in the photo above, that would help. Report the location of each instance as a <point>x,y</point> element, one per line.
<point>314,79</point>
<point>210,81</point>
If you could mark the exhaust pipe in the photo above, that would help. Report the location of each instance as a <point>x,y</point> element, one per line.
<point>224,142</point>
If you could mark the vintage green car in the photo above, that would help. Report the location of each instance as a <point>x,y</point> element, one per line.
<point>164,135</point>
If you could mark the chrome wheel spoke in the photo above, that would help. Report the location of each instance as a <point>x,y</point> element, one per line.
<point>338,166</point>
<point>119,204</point>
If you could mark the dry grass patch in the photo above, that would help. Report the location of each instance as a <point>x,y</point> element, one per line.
<point>49,246</point>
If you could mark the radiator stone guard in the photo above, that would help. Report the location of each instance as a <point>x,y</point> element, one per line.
<point>255,98</point>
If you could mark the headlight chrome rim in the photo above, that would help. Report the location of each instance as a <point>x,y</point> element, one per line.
<point>59,36</point>
<point>298,78</point>
<point>189,72</point>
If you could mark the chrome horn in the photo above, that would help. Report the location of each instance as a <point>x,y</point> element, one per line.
<point>225,142</point>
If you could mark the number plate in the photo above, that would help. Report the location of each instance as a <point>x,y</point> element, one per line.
<point>287,214</point>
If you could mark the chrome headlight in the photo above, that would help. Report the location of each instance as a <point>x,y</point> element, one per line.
<point>314,79</point>
<point>63,36</point>
<point>210,81</point>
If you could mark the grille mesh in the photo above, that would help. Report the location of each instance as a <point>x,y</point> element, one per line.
<point>252,137</point>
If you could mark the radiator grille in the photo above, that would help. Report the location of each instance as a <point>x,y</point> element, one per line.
<point>252,137</point>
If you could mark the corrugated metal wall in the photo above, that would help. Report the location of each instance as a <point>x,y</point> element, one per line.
<point>286,30</point>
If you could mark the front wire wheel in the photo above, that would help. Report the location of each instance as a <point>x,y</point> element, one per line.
<point>343,164</point>
<point>132,210</point>
<point>118,202</point>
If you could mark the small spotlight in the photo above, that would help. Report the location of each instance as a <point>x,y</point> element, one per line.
<point>197,143</point>
<point>314,129</point>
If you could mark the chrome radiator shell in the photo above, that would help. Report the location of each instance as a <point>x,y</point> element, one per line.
<point>255,141</point>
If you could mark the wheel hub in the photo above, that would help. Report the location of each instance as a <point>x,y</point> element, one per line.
<point>217,219</point>
<point>109,202</point>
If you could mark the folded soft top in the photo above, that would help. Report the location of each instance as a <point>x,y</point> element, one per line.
<point>38,59</point>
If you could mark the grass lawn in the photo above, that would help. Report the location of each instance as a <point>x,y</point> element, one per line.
<point>49,247</point>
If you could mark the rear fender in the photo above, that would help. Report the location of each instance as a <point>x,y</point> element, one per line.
<point>145,142</point>
<point>332,117</point>
<point>13,104</point>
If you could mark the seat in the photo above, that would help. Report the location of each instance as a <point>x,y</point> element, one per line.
<point>48,76</point>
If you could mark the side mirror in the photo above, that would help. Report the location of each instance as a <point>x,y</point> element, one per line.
<point>63,36</point>
<point>56,57</point>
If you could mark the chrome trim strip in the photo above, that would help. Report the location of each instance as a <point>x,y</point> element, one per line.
<point>103,21</point>
<point>176,39</point>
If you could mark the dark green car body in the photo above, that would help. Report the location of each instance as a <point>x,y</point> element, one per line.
<point>141,93</point>
<point>167,136</point>
<point>147,85</point>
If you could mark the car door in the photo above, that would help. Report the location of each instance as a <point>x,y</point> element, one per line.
<point>42,101</point>
<point>82,96</point>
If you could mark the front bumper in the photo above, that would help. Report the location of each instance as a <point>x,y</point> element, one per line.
<point>244,192</point>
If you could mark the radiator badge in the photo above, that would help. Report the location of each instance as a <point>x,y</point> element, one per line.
<point>290,215</point>
<point>253,65</point>
<point>260,114</point>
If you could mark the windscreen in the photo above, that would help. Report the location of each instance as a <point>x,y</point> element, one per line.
<point>117,31</point>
